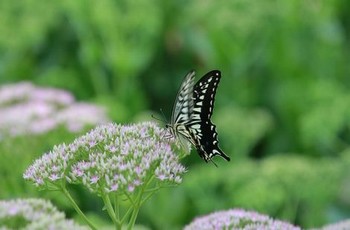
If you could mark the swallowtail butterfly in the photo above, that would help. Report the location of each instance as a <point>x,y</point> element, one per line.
<point>192,112</point>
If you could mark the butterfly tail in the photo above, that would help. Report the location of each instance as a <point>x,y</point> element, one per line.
<point>221,154</point>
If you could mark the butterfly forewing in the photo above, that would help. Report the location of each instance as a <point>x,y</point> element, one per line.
<point>182,108</point>
<point>184,101</point>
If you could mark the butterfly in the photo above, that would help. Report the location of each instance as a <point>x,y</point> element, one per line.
<point>192,111</point>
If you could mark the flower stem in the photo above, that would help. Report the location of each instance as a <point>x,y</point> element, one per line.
<point>149,196</point>
<point>116,206</point>
<point>137,204</point>
<point>135,212</point>
<point>126,215</point>
<point>110,210</point>
<point>117,212</point>
<point>77,209</point>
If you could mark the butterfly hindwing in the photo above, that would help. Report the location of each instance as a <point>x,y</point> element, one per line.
<point>207,145</point>
<point>201,127</point>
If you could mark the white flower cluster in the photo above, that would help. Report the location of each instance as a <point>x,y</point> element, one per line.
<point>110,158</point>
<point>341,225</point>
<point>29,109</point>
<point>33,214</point>
<point>238,219</point>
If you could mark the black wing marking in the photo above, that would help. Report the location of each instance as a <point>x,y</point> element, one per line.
<point>202,130</point>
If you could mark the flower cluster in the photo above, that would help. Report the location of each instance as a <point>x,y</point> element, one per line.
<point>345,224</point>
<point>238,219</point>
<point>28,109</point>
<point>110,158</point>
<point>33,214</point>
<point>26,91</point>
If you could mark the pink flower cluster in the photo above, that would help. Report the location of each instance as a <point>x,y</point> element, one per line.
<point>36,213</point>
<point>342,225</point>
<point>29,109</point>
<point>238,219</point>
<point>111,158</point>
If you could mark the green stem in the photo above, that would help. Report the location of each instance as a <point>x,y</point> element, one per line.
<point>152,190</point>
<point>137,204</point>
<point>148,182</point>
<point>110,210</point>
<point>148,196</point>
<point>130,199</point>
<point>135,211</point>
<point>77,209</point>
<point>116,206</point>
<point>126,215</point>
<point>117,212</point>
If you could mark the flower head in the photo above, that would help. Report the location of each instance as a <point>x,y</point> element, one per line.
<point>110,158</point>
<point>29,109</point>
<point>26,91</point>
<point>81,114</point>
<point>345,224</point>
<point>238,219</point>
<point>34,214</point>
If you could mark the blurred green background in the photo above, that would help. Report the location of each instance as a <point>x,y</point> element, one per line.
<point>282,108</point>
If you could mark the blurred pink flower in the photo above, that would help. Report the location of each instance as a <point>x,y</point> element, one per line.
<point>15,92</point>
<point>29,109</point>
<point>57,96</point>
<point>76,116</point>
<point>238,219</point>
<point>37,213</point>
<point>342,225</point>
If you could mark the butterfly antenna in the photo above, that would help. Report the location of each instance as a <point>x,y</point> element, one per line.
<point>156,118</point>
<point>164,120</point>
<point>164,117</point>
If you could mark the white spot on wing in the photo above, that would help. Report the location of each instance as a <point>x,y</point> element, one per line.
<point>196,126</point>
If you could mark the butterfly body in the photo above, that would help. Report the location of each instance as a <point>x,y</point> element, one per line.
<point>192,112</point>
